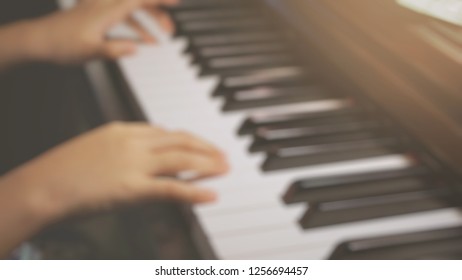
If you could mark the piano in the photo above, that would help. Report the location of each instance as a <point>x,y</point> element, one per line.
<point>341,121</point>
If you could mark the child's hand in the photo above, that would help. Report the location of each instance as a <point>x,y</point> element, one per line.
<point>79,34</point>
<point>119,163</point>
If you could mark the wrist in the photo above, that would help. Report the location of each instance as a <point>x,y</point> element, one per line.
<point>34,42</point>
<point>15,47</point>
<point>24,41</point>
<point>30,198</point>
<point>23,214</point>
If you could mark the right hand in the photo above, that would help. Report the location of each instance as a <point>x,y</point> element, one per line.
<point>119,163</point>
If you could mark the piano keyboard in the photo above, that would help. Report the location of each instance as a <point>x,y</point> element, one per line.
<point>313,166</point>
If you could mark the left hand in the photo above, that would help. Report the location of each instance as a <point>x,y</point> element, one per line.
<point>79,34</point>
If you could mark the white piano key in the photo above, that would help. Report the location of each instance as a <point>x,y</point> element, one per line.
<point>391,162</point>
<point>242,246</point>
<point>123,32</point>
<point>264,196</point>
<point>250,220</point>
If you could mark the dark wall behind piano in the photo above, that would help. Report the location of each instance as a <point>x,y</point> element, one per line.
<point>41,105</point>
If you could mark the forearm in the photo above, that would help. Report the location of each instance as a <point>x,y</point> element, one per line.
<point>20,43</point>
<point>23,213</point>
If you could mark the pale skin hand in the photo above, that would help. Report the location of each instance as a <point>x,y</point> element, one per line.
<point>116,164</point>
<point>77,35</point>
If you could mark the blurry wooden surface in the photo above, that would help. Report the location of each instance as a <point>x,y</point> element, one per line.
<point>379,46</point>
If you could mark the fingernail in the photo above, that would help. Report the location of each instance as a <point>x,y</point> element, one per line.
<point>208,196</point>
<point>127,50</point>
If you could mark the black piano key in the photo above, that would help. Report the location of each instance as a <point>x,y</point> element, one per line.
<point>385,187</point>
<point>442,244</point>
<point>238,64</point>
<point>295,129</point>
<point>216,13</point>
<point>361,185</point>
<point>233,38</point>
<point>262,145</point>
<point>282,135</point>
<point>279,76</point>
<point>334,213</point>
<point>207,56</point>
<point>271,96</point>
<point>220,26</point>
<point>241,49</point>
<point>256,121</point>
<point>186,5</point>
<point>323,154</point>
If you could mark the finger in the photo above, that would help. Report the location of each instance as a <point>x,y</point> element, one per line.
<point>117,48</point>
<point>145,36</point>
<point>186,142</point>
<point>164,19</point>
<point>175,162</point>
<point>176,190</point>
<point>147,129</point>
<point>113,12</point>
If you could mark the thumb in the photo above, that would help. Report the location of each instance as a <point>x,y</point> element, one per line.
<point>118,48</point>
